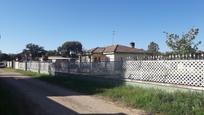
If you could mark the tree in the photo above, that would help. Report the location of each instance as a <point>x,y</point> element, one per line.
<point>51,53</point>
<point>153,48</point>
<point>6,57</point>
<point>34,51</point>
<point>185,43</point>
<point>3,57</point>
<point>68,47</point>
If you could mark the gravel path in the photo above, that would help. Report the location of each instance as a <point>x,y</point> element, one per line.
<point>47,99</point>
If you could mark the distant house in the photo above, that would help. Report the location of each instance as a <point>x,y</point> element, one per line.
<point>112,53</point>
<point>54,59</point>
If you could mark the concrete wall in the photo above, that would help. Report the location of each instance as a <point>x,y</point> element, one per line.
<point>16,65</point>
<point>176,73</point>
<point>9,63</point>
<point>39,67</point>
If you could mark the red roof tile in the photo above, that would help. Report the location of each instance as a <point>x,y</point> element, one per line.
<point>116,49</point>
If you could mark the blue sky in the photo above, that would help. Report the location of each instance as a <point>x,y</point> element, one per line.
<point>49,23</point>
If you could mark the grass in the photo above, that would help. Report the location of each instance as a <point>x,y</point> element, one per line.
<point>157,101</point>
<point>8,104</point>
<point>152,100</point>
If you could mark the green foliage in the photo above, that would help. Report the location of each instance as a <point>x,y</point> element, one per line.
<point>184,44</point>
<point>153,48</point>
<point>157,101</point>
<point>70,46</point>
<point>34,51</point>
<point>52,53</point>
<point>5,57</point>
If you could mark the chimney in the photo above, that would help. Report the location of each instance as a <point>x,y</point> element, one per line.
<point>132,44</point>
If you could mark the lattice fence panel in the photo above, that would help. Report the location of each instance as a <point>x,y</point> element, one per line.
<point>182,72</point>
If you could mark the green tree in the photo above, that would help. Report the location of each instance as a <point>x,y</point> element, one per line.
<point>34,51</point>
<point>185,43</point>
<point>5,57</point>
<point>153,48</point>
<point>68,47</point>
<point>52,53</point>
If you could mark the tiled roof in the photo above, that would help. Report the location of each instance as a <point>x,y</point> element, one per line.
<point>96,50</point>
<point>110,48</point>
<point>99,50</point>
<point>126,49</point>
<point>116,49</point>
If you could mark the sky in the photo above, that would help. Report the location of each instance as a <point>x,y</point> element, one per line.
<point>49,23</point>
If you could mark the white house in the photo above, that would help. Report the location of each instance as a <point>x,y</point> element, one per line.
<point>58,58</point>
<point>112,53</point>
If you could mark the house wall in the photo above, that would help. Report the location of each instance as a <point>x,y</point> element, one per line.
<point>110,57</point>
<point>102,58</point>
<point>85,59</point>
<point>16,65</point>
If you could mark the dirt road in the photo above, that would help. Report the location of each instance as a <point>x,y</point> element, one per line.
<point>47,99</point>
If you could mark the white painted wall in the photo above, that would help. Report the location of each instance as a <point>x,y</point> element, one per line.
<point>33,66</point>
<point>16,65</point>
<point>85,59</point>
<point>9,63</point>
<point>111,57</point>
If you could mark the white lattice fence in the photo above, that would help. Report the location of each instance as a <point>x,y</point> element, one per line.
<point>183,72</point>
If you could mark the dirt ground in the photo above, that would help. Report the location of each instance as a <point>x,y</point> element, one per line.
<point>46,99</point>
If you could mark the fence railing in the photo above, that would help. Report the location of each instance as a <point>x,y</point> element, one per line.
<point>191,56</point>
<point>101,68</point>
<point>181,72</point>
<point>40,67</point>
<point>94,68</point>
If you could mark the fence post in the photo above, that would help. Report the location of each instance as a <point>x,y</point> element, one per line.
<point>39,66</point>
<point>26,65</point>
<point>79,67</point>
<point>13,64</point>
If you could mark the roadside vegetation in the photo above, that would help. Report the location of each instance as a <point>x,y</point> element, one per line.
<point>152,100</point>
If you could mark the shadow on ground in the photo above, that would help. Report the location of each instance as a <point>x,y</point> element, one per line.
<point>33,96</point>
<point>86,84</point>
